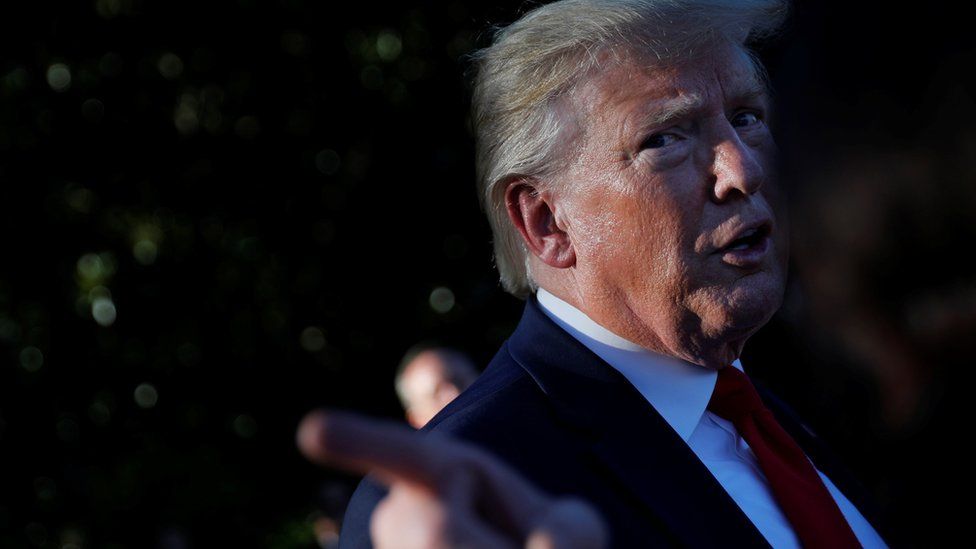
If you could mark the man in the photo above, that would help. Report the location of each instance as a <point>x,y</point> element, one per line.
<point>626,164</point>
<point>430,377</point>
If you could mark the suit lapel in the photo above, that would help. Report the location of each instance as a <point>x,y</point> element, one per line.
<point>628,436</point>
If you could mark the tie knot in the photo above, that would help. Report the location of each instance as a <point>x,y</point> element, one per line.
<point>734,395</point>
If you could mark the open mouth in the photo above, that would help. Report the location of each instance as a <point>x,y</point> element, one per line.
<point>753,238</point>
<point>750,250</point>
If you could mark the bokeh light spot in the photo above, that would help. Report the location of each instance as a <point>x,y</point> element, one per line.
<point>170,66</point>
<point>90,266</point>
<point>312,339</point>
<point>145,251</point>
<point>99,292</point>
<point>245,426</point>
<point>357,43</point>
<point>188,354</point>
<point>99,413</point>
<point>31,359</point>
<point>388,45</point>
<point>80,200</point>
<point>146,237</point>
<point>94,269</point>
<point>103,311</point>
<point>146,396</point>
<point>68,429</point>
<point>294,42</point>
<point>93,110</point>
<point>112,8</point>
<point>247,127</point>
<point>59,77</point>
<point>186,116</point>
<point>16,79</point>
<point>441,299</point>
<point>327,161</point>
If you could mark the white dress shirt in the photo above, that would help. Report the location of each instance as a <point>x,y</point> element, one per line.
<point>680,392</point>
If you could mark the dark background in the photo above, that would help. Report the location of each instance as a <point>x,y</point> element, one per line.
<point>217,216</point>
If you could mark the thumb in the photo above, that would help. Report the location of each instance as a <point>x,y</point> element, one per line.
<point>569,523</point>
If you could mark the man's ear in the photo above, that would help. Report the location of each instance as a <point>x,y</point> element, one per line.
<point>532,213</point>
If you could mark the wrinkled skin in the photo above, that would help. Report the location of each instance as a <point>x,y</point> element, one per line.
<point>628,232</point>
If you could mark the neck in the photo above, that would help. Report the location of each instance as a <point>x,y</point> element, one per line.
<point>620,327</point>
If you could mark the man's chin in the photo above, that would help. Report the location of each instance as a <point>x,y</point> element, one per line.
<point>716,354</point>
<point>740,311</point>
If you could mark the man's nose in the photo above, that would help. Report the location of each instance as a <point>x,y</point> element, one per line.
<point>736,167</point>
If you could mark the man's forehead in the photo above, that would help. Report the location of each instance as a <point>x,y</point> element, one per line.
<point>655,89</point>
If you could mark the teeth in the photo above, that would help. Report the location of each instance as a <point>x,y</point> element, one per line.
<point>742,246</point>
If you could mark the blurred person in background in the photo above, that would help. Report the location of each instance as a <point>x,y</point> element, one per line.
<point>428,378</point>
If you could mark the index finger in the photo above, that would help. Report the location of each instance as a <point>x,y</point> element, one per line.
<point>363,445</point>
<point>394,452</point>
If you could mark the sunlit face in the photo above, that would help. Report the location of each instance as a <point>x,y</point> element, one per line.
<point>675,164</point>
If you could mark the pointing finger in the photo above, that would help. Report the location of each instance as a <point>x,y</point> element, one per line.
<point>363,445</point>
<point>392,452</point>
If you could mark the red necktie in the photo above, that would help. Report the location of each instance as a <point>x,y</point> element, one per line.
<point>797,487</point>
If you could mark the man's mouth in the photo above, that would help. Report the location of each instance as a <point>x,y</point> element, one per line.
<point>749,248</point>
<point>750,239</point>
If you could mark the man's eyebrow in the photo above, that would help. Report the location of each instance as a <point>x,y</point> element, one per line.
<point>671,109</point>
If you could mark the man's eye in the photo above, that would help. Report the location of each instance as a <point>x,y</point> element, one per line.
<point>659,140</point>
<point>745,119</point>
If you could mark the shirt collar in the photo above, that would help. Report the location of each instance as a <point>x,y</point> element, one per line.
<point>677,389</point>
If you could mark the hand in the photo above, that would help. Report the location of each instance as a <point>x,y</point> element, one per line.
<point>446,493</point>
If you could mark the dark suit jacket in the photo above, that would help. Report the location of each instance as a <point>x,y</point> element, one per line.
<point>571,423</point>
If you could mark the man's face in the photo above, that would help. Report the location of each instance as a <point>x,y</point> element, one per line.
<point>426,389</point>
<point>675,164</point>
